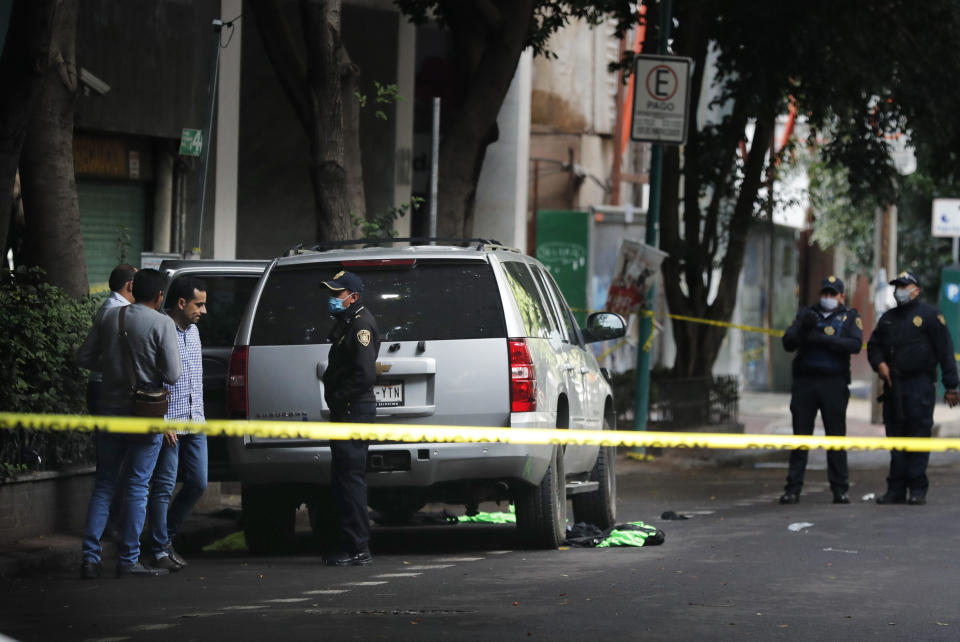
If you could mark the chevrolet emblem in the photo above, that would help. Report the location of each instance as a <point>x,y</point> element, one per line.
<point>383,367</point>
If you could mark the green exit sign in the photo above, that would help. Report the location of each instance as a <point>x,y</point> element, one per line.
<point>191,142</point>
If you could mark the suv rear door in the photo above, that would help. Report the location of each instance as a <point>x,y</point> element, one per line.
<point>229,286</point>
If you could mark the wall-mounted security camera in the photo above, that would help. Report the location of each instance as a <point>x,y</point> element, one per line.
<point>91,83</point>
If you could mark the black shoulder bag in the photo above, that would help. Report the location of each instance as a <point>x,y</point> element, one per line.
<point>146,403</point>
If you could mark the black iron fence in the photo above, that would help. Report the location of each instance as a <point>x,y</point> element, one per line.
<point>679,403</point>
<point>28,451</point>
<point>693,401</point>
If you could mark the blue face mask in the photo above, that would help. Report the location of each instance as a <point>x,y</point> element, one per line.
<point>335,305</point>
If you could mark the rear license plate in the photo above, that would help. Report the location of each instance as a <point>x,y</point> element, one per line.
<point>389,394</point>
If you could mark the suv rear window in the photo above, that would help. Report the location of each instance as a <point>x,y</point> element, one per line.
<point>428,301</point>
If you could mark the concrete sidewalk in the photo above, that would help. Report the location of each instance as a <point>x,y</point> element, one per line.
<point>60,552</point>
<point>768,413</point>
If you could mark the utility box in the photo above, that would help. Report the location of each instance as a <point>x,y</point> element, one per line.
<point>563,239</point>
<point>950,306</point>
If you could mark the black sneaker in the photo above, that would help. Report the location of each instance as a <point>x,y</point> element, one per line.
<point>841,498</point>
<point>89,570</point>
<point>790,498</point>
<point>917,500</point>
<point>891,499</point>
<point>349,559</point>
<point>139,570</point>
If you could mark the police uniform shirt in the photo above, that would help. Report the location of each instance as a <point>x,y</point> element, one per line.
<point>912,339</point>
<point>825,348</point>
<point>352,368</point>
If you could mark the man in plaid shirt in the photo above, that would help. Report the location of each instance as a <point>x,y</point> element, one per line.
<point>186,303</point>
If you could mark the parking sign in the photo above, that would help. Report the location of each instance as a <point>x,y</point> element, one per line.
<point>946,217</point>
<point>661,98</point>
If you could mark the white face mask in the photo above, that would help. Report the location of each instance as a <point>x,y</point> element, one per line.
<point>902,295</point>
<point>829,304</point>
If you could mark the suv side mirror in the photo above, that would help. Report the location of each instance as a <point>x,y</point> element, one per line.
<point>603,326</point>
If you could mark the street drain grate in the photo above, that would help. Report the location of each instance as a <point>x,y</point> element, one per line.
<point>404,612</point>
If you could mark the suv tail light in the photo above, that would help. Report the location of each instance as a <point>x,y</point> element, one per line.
<point>237,384</point>
<point>523,377</point>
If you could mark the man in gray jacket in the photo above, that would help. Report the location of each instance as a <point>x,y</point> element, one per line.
<point>152,338</point>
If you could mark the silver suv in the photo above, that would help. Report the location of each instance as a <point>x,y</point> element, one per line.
<point>477,336</point>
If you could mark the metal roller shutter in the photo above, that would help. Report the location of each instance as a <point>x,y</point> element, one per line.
<point>108,210</point>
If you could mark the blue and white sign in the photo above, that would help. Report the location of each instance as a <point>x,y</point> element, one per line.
<point>946,217</point>
<point>952,292</point>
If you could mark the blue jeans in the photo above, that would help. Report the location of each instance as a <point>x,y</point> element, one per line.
<point>140,452</point>
<point>166,517</point>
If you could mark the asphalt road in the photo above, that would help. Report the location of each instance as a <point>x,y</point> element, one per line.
<point>734,570</point>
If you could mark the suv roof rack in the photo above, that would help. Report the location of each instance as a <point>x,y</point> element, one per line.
<point>480,243</point>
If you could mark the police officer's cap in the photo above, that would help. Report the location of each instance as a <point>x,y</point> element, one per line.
<point>344,281</point>
<point>906,278</point>
<point>833,284</point>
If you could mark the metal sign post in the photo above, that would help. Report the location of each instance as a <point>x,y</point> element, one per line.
<point>434,170</point>
<point>661,101</point>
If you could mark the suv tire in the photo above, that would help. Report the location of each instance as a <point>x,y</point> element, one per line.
<point>542,509</point>
<point>599,507</point>
<point>269,520</point>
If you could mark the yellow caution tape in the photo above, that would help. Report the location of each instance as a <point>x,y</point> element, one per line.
<point>722,324</point>
<point>726,324</point>
<point>469,434</point>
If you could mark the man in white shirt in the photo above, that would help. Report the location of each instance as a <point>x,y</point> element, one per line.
<point>186,304</point>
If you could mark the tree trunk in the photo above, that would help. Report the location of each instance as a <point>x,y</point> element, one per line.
<point>321,90</point>
<point>489,47</point>
<point>53,240</point>
<point>699,344</point>
<point>695,240</point>
<point>25,59</point>
<point>328,69</point>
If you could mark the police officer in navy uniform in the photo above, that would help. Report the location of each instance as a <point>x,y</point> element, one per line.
<point>348,390</point>
<point>824,335</point>
<point>909,342</point>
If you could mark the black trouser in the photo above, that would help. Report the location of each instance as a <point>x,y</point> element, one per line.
<point>908,470</point>
<point>348,479</point>
<point>94,397</point>
<point>829,394</point>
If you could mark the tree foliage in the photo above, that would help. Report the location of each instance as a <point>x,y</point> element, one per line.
<point>42,329</point>
<point>856,71</point>
<point>839,221</point>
